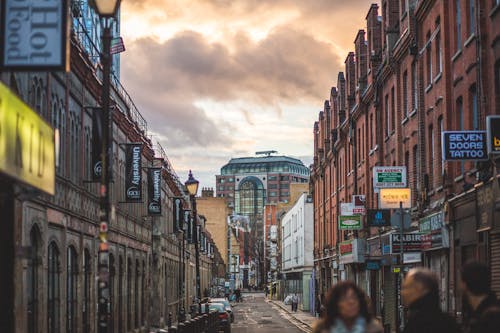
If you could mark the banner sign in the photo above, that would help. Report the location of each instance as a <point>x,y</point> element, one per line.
<point>191,235</point>
<point>346,208</point>
<point>34,35</point>
<point>96,144</point>
<point>350,222</point>
<point>389,176</point>
<point>358,201</point>
<point>434,233</point>
<point>378,218</point>
<point>186,225</point>
<point>27,147</point>
<point>178,215</point>
<point>133,172</point>
<point>390,198</point>
<point>411,242</point>
<point>493,131</point>
<point>464,145</point>
<point>154,191</point>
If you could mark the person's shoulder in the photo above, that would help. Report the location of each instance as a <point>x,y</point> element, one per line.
<point>374,326</point>
<point>319,326</point>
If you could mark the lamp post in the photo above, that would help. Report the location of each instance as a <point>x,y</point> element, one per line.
<point>106,9</point>
<point>192,187</point>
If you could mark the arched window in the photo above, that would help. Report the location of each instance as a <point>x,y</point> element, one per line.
<point>87,278</point>
<point>112,274</point>
<point>136,293</point>
<point>32,280</point>
<point>129,293</point>
<point>143,291</point>
<point>53,290</point>
<point>71,289</point>
<point>121,277</point>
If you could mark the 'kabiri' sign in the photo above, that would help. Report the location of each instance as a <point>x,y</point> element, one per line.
<point>27,150</point>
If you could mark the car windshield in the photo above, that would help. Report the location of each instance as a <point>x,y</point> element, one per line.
<point>222,301</point>
<point>214,307</point>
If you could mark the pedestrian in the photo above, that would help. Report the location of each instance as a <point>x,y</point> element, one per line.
<point>420,293</point>
<point>346,311</point>
<point>295,302</point>
<point>478,296</point>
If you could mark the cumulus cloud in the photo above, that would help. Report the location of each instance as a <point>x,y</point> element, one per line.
<point>207,74</point>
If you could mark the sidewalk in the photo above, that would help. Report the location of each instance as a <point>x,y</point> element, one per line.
<point>304,317</point>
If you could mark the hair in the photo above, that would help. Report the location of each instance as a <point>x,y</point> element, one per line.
<point>427,279</point>
<point>336,293</point>
<point>476,277</point>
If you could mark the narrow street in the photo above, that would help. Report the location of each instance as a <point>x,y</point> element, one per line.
<point>255,314</point>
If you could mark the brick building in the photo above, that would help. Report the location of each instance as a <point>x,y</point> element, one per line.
<point>421,68</point>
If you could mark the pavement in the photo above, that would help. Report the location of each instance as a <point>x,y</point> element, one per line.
<point>304,317</point>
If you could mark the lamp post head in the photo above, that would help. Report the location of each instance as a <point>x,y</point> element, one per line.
<point>192,184</point>
<point>105,8</point>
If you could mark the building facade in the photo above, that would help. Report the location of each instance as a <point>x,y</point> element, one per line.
<point>421,68</point>
<point>297,251</point>
<point>248,184</point>
<point>57,240</point>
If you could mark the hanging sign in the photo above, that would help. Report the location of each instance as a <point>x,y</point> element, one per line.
<point>389,177</point>
<point>464,145</point>
<point>350,222</point>
<point>154,191</point>
<point>133,172</point>
<point>27,151</point>
<point>493,131</point>
<point>390,198</point>
<point>378,218</point>
<point>35,35</point>
<point>178,215</point>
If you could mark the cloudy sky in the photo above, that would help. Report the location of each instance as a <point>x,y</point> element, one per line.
<point>217,79</point>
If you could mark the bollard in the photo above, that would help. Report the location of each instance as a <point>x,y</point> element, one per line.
<point>169,321</point>
<point>181,328</point>
<point>172,329</point>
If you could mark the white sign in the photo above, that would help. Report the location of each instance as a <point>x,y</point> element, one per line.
<point>389,177</point>
<point>411,257</point>
<point>35,34</point>
<point>390,198</point>
<point>346,208</point>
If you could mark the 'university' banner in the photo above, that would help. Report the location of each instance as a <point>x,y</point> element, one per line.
<point>133,172</point>
<point>154,191</point>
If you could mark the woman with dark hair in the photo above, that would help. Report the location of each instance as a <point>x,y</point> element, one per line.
<point>346,311</point>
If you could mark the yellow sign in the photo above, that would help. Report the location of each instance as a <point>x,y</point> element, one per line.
<point>26,143</point>
<point>391,197</point>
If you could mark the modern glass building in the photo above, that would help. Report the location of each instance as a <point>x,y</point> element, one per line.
<point>249,183</point>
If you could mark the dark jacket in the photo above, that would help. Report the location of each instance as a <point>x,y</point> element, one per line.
<point>425,315</point>
<point>478,321</point>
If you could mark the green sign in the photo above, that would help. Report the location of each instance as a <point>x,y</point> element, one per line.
<point>26,143</point>
<point>350,222</point>
<point>389,177</point>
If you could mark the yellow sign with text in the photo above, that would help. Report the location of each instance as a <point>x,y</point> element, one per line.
<point>26,143</point>
<point>390,198</point>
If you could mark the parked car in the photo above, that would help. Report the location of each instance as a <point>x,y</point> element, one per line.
<point>223,315</point>
<point>227,306</point>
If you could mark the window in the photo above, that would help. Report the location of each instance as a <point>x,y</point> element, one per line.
<point>53,292</point>
<point>393,110</point>
<point>428,57</point>
<point>459,123</point>
<point>129,294</point>
<point>272,186</point>
<point>473,108</point>
<point>405,95</point>
<point>121,278</point>
<point>71,289</point>
<point>458,25</point>
<point>439,51</point>
<point>387,116</point>
<point>371,130</point>
<point>285,185</point>
<point>414,86</point>
<point>112,274</point>
<point>414,169</point>
<point>136,294</point>
<point>472,17</point>
<point>432,156</point>
<point>403,6</point>
<point>440,129</point>
<point>143,293</point>
<point>32,280</point>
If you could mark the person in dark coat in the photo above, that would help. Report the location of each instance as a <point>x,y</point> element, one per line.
<point>476,289</point>
<point>420,294</point>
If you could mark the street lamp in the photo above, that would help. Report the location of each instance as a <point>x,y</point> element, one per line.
<point>192,187</point>
<point>106,9</point>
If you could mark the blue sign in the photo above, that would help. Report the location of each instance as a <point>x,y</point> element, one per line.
<point>372,265</point>
<point>464,145</point>
<point>378,217</point>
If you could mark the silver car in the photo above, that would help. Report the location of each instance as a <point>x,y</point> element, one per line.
<point>226,304</point>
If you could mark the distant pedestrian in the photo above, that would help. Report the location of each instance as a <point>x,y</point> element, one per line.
<point>420,293</point>
<point>295,302</point>
<point>346,311</point>
<point>481,302</point>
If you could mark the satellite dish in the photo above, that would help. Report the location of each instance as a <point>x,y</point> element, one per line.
<point>396,219</point>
